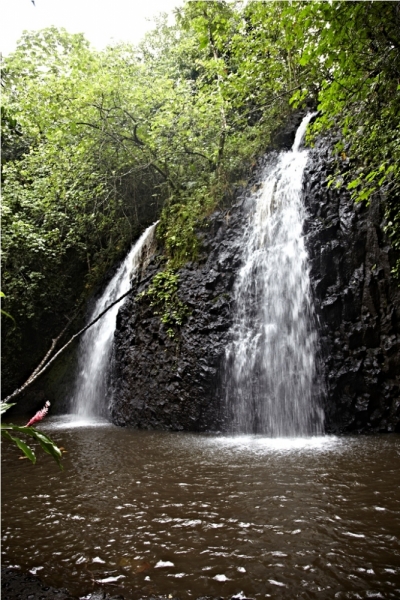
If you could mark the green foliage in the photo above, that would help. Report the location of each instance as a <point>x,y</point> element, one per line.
<point>3,312</point>
<point>164,299</point>
<point>97,142</point>
<point>64,217</point>
<point>229,114</point>
<point>350,52</point>
<point>46,443</point>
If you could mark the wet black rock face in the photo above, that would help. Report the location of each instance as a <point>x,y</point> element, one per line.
<point>357,303</point>
<point>164,383</point>
<point>177,384</point>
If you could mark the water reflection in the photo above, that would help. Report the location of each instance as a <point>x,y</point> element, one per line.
<point>262,443</point>
<point>73,421</point>
<point>142,513</point>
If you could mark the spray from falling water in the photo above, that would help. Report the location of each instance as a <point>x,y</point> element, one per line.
<point>271,360</point>
<point>89,398</point>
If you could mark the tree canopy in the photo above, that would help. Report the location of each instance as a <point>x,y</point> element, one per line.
<point>98,144</point>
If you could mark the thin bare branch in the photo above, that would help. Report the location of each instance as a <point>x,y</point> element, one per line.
<point>42,368</point>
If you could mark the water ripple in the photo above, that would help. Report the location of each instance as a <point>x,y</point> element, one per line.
<point>319,516</point>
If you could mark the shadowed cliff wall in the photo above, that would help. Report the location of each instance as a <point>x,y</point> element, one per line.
<point>357,303</point>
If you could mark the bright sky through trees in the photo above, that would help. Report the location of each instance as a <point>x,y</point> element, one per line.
<point>101,21</point>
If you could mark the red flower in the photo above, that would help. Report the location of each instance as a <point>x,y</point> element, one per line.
<point>39,415</point>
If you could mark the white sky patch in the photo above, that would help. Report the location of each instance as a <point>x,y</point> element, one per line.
<point>102,22</point>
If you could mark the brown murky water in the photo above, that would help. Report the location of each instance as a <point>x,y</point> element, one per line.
<point>188,515</point>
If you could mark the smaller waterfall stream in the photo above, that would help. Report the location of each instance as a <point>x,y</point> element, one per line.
<point>89,398</point>
<point>271,361</point>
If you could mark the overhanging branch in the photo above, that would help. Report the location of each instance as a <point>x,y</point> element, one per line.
<point>43,366</point>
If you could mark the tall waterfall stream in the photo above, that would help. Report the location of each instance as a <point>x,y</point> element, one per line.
<point>271,362</point>
<point>89,397</point>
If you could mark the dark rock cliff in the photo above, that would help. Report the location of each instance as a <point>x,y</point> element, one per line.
<point>177,384</point>
<point>357,303</point>
<point>165,383</point>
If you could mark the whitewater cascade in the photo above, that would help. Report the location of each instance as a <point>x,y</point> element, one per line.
<point>89,397</point>
<point>271,361</point>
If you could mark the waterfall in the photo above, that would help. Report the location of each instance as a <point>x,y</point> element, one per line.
<point>89,397</point>
<point>271,360</point>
